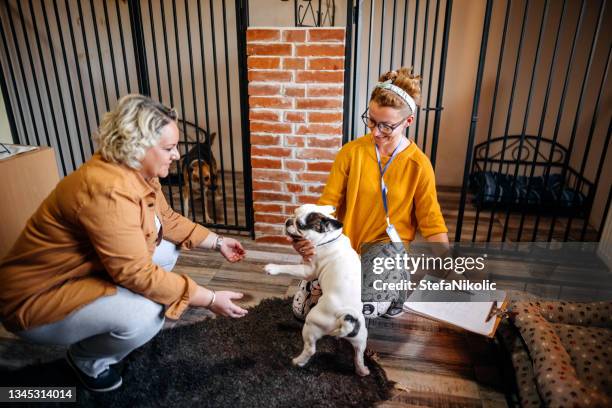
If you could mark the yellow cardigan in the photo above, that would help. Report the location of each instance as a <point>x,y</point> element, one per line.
<point>354,189</point>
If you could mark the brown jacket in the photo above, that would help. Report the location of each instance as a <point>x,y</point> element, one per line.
<point>95,231</point>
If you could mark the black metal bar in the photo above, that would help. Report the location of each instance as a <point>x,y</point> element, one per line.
<point>441,76</point>
<point>182,100</point>
<point>80,79</point>
<point>142,71</point>
<point>414,33</point>
<point>403,31</point>
<point>205,85</point>
<point>171,95</point>
<point>48,91</point>
<point>6,97</point>
<point>382,36</point>
<point>91,82</point>
<point>585,81</point>
<point>155,58</point>
<point>424,46</point>
<point>59,88</point>
<point>347,71</point>
<point>354,66</point>
<point>122,40</point>
<point>196,127</point>
<point>430,79</point>
<point>607,207</point>
<point>219,136</point>
<point>475,104</point>
<point>70,90</point>
<point>229,115</point>
<point>563,95</point>
<point>604,152</point>
<point>392,36</point>
<point>111,49</point>
<point>543,22</point>
<point>25,81</point>
<point>509,115</point>
<point>365,129</point>
<point>242,23</point>
<point>99,48</point>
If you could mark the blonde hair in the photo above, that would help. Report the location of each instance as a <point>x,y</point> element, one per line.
<point>403,78</point>
<point>128,131</point>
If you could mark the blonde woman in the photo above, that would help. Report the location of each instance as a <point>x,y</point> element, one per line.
<point>369,214</point>
<point>91,270</point>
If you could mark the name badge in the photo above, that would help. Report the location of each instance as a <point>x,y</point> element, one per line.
<point>392,233</point>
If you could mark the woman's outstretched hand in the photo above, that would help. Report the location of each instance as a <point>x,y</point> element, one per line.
<point>223,302</point>
<point>232,250</point>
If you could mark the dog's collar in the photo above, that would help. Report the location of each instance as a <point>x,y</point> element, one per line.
<point>331,240</point>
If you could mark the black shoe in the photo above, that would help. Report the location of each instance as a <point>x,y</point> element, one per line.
<point>108,380</point>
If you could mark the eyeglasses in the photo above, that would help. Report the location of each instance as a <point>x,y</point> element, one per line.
<point>384,128</point>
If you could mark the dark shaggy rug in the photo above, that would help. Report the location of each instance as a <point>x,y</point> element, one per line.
<point>229,363</point>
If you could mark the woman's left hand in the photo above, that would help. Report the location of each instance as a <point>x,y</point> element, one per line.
<point>232,250</point>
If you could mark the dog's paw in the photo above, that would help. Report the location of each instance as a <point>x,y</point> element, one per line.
<point>362,371</point>
<point>299,362</point>
<point>272,269</point>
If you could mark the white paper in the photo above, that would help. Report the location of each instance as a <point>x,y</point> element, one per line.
<point>13,150</point>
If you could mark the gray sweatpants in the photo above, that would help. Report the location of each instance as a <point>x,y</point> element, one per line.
<point>106,330</point>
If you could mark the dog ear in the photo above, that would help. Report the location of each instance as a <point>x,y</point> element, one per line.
<point>326,209</point>
<point>211,138</point>
<point>331,224</point>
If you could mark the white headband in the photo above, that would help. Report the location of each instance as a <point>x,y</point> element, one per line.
<point>399,92</point>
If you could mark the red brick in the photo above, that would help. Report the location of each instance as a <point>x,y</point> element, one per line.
<point>324,103</point>
<point>326,34</point>
<point>270,76</point>
<point>264,163</point>
<point>294,63</point>
<point>259,185</point>
<point>273,175</point>
<point>269,208</point>
<point>335,141</point>
<point>324,117</point>
<point>294,35</point>
<point>317,129</point>
<point>323,50</point>
<point>264,62</point>
<point>265,151</point>
<point>262,34</point>
<point>270,102</point>
<point>273,239</point>
<point>271,218</point>
<point>264,89</point>
<point>326,91</point>
<point>307,199</point>
<point>293,90</point>
<point>267,115</point>
<point>269,196</point>
<point>294,187</point>
<point>295,141</point>
<point>266,140</point>
<point>318,189</point>
<point>309,77</point>
<point>295,117</point>
<point>270,49</point>
<point>295,165</point>
<point>314,177</point>
<point>262,127</point>
<point>320,154</point>
<point>326,63</point>
<point>320,166</point>
<point>270,229</point>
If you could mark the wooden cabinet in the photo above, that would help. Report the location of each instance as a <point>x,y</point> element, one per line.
<point>25,181</point>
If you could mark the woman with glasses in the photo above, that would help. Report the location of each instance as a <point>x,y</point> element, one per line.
<point>382,185</point>
<point>91,270</point>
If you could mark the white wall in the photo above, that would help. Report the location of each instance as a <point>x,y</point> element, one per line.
<point>5,130</point>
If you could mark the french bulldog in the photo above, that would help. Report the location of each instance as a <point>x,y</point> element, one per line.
<point>337,267</point>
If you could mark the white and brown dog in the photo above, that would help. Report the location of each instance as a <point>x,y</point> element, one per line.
<point>337,267</point>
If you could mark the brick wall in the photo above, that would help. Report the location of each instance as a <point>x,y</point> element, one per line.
<point>295,109</point>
